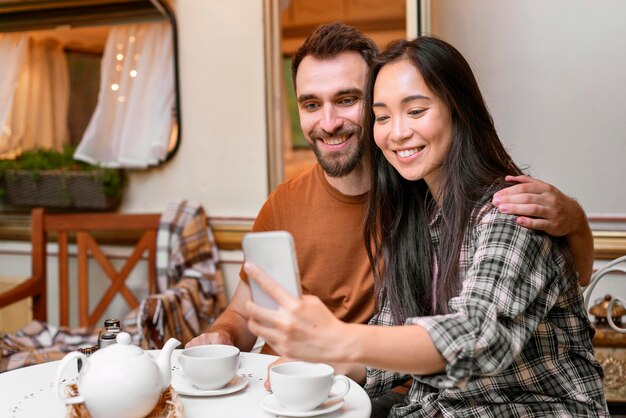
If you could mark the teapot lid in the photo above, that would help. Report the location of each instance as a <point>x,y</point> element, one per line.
<point>123,348</point>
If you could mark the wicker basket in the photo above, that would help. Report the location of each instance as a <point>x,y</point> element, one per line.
<point>168,406</point>
<point>58,189</point>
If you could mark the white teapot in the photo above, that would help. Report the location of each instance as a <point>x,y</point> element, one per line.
<point>119,381</point>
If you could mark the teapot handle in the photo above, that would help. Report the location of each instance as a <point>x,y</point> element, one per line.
<point>59,382</point>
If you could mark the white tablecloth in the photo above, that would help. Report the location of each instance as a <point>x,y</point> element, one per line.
<point>29,392</point>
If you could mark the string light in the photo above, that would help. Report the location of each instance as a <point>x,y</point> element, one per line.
<point>119,67</point>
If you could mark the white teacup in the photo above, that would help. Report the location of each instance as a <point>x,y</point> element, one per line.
<point>209,367</point>
<point>301,386</point>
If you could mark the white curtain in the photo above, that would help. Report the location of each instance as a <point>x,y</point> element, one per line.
<point>34,94</point>
<point>133,120</point>
<point>13,49</point>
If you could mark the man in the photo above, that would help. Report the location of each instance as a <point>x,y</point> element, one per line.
<point>323,208</point>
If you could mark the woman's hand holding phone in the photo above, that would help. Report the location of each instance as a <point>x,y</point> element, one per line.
<point>301,328</point>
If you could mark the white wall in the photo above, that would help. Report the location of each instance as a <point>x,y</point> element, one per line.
<point>552,73</point>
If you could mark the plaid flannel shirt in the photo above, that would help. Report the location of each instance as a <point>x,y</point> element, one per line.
<point>517,340</point>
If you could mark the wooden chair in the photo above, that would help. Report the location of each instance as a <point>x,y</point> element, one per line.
<point>192,298</point>
<point>85,228</point>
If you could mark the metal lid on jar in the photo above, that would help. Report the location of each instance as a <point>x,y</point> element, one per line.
<point>110,323</point>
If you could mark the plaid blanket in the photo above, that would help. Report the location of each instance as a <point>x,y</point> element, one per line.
<point>191,287</point>
<point>191,295</point>
<point>39,342</point>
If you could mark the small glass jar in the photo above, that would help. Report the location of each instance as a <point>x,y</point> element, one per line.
<point>109,332</point>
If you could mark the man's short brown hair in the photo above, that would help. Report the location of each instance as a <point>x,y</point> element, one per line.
<point>329,40</point>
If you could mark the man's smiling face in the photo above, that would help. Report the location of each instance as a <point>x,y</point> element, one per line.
<point>330,103</point>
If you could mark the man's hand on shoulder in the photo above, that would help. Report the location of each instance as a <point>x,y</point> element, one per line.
<point>540,206</point>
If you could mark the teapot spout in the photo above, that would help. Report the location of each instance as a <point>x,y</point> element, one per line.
<point>164,361</point>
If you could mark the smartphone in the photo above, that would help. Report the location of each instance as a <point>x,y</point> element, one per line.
<point>275,253</point>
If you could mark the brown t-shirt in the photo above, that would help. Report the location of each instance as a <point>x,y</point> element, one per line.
<point>327,228</point>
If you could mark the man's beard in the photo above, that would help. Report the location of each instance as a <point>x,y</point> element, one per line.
<point>339,163</point>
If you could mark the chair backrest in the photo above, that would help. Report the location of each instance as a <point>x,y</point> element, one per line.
<point>87,229</point>
<point>617,265</point>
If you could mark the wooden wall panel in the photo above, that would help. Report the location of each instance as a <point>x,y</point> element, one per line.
<point>374,9</point>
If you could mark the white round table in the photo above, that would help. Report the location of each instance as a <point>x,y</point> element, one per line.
<point>29,392</point>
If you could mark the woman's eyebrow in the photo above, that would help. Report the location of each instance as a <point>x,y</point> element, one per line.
<point>414,97</point>
<point>404,100</point>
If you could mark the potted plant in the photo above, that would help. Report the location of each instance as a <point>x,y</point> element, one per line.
<point>54,179</point>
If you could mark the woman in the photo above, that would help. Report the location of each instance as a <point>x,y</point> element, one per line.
<point>486,316</point>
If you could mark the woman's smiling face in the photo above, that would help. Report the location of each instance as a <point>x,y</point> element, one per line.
<point>412,126</point>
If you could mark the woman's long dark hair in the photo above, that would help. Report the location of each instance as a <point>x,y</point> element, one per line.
<point>396,229</point>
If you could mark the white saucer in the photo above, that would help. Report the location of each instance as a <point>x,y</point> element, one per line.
<point>184,387</point>
<point>271,405</point>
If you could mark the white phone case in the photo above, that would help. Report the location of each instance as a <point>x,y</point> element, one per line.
<point>273,252</point>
